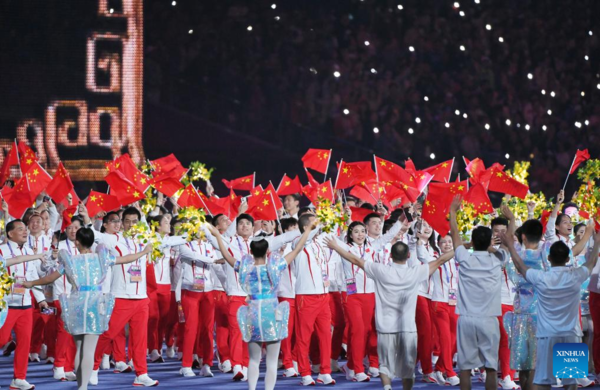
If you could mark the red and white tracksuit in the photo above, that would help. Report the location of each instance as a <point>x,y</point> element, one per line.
<point>19,301</point>
<point>221,314</point>
<point>508,297</point>
<point>313,312</point>
<point>131,304</point>
<point>196,284</point>
<point>445,291</point>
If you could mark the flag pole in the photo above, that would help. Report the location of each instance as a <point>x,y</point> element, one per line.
<point>276,213</point>
<point>327,168</point>
<point>377,177</point>
<point>569,174</point>
<point>337,177</point>
<point>279,186</point>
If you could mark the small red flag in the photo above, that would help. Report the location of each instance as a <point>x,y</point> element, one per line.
<point>38,179</point>
<point>580,157</point>
<point>289,186</point>
<point>190,198</point>
<point>61,184</point>
<point>27,156</point>
<point>317,159</point>
<point>311,180</point>
<point>501,182</point>
<point>18,198</point>
<point>97,202</point>
<point>351,173</point>
<point>479,198</point>
<point>10,160</point>
<point>324,191</point>
<point>123,188</point>
<point>67,215</point>
<point>409,165</point>
<point>434,212</point>
<point>359,213</point>
<point>168,165</point>
<point>245,183</point>
<point>271,190</point>
<point>441,172</point>
<point>263,207</point>
<point>167,184</point>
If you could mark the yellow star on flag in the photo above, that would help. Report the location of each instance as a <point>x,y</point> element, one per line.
<point>93,198</point>
<point>136,194</point>
<point>265,202</point>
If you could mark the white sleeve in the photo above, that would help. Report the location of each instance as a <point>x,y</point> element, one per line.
<point>275,243</point>
<point>379,243</point>
<point>550,234</point>
<point>188,255</point>
<point>54,220</point>
<point>231,229</point>
<point>37,292</point>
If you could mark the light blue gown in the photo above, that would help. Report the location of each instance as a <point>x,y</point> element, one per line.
<point>265,318</point>
<point>87,309</point>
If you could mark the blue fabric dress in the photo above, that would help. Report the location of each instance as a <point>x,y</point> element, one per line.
<point>265,318</point>
<point>87,309</point>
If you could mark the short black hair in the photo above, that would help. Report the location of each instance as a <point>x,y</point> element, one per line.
<point>304,221</point>
<point>560,217</point>
<point>387,225</point>
<point>132,211</point>
<point>77,218</point>
<point>208,219</point>
<point>287,223</point>
<point>532,230</point>
<point>242,217</point>
<point>559,254</point>
<point>215,219</point>
<point>370,216</point>
<point>85,236</point>
<point>259,248</point>
<point>400,251</point>
<point>569,204</point>
<point>482,238</point>
<point>367,206</point>
<point>499,221</point>
<point>304,210</point>
<point>296,197</point>
<point>11,225</point>
<point>396,214</point>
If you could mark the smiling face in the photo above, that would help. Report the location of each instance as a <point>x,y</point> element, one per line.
<point>113,224</point>
<point>290,204</point>
<point>445,244</point>
<point>46,219</point>
<point>571,211</point>
<point>564,226</point>
<point>425,229</point>
<point>36,224</point>
<point>222,223</point>
<point>580,232</point>
<point>358,234</point>
<point>19,233</point>
<point>129,220</point>
<point>245,228</point>
<point>374,227</point>
<point>268,226</point>
<point>165,226</point>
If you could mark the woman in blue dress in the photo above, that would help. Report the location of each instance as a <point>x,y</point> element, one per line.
<point>265,319</point>
<point>86,311</point>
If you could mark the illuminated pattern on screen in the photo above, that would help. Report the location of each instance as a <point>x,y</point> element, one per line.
<point>106,120</point>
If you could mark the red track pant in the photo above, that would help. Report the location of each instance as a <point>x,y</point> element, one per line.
<point>222,324</point>
<point>313,314</point>
<point>171,321</point>
<point>135,313</point>
<point>44,327</point>
<point>445,319</point>
<point>237,347</point>
<point>595,312</point>
<point>65,345</point>
<point>339,324</point>
<point>361,312</point>
<point>199,311</point>
<point>287,352</point>
<point>160,302</point>
<point>21,321</point>
<point>504,350</point>
<point>425,334</point>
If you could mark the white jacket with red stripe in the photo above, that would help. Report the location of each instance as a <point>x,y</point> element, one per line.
<point>122,286</point>
<point>28,270</point>
<point>195,259</point>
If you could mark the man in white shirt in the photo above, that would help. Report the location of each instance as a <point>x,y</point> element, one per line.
<point>558,305</point>
<point>396,289</point>
<point>479,304</point>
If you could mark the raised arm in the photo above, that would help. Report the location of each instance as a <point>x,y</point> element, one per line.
<point>275,243</point>
<point>512,224</point>
<point>454,233</point>
<point>23,259</point>
<point>134,256</point>
<point>333,244</point>
<point>550,234</point>
<point>593,255</point>
<point>387,237</point>
<point>224,250</point>
<point>582,244</point>
<point>509,243</point>
<point>437,263</point>
<point>300,245</point>
<point>50,278</point>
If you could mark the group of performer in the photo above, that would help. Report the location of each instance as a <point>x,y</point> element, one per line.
<point>387,291</point>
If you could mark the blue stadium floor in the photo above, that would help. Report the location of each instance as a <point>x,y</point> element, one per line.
<point>167,373</point>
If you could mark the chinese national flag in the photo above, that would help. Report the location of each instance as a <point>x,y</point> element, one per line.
<point>167,184</point>
<point>10,160</point>
<point>257,190</point>
<point>434,212</point>
<point>479,198</point>
<point>168,165</point>
<point>410,166</point>
<point>271,190</point>
<point>311,180</point>
<point>351,173</point>
<point>289,186</point>
<point>123,188</point>
<point>317,159</point>
<point>501,182</point>
<point>230,203</point>
<point>369,191</point>
<point>97,202</point>
<point>38,179</point>
<point>67,216</point>
<point>74,199</point>
<point>190,198</point>
<point>443,193</point>
<point>544,219</point>
<point>61,184</point>
<point>476,170</point>
<point>245,183</point>
<point>209,205</point>
<point>359,213</point>
<point>125,165</point>
<point>441,172</point>
<point>263,207</point>
<point>389,171</point>
<point>18,198</point>
<point>27,156</point>
<point>580,157</point>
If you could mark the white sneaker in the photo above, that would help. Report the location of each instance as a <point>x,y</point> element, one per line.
<point>130,364</point>
<point>434,359</point>
<point>374,372</point>
<point>558,383</point>
<point>349,373</point>
<point>361,377</point>
<point>70,376</point>
<point>245,372</point>
<point>452,381</point>
<point>59,373</point>
<point>49,360</point>
<point>290,373</point>
<point>186,372</point>
<point>121,367</point>
<point>335,366</point>
<point>482,376</point>
<point>438,377</point>
<point>33,357</point>
<point>21,384</point>
<point>325,379</point>
<point>205,371</point>
<point>431,378</point>
<point>170,352</point>
<point>144,380</point>
<point>94,378</point>
<point>307,381</point>
<point>179,355</point>
<point>238,374</point>
<point>105,363</point>
<point>315,368</point>
<point>508,384</point>
<point>225,367</point>
<point>584,382</point>
<point>44,352</point>
<point>156,357</point>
